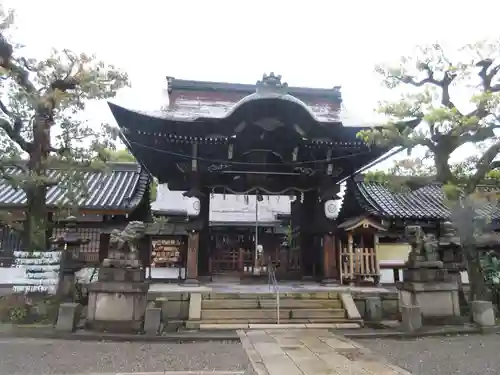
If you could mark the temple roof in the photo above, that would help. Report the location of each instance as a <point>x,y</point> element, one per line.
<point>203,102</point>
<point>220,99</point>
<point>425,203</point>
<point>242,138</point>
<point>120,186</point>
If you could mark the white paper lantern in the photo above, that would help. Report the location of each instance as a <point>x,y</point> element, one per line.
<point>331,209</point>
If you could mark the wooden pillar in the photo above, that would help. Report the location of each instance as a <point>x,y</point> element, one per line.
<point>309,253</point>
<point>192,256</point>
<point>204,235</point>
<point>375,250</point>
<point>350,251</point>
<point>330,268</point>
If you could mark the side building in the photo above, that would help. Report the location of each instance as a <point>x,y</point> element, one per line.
<point>117,194</point>
<point>375,216</point>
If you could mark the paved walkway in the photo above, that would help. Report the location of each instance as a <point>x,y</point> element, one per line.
<point>311,352</point>
<point>167,373</point>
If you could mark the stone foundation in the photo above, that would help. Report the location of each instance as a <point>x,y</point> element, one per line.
<point>427,285</point>
<point>436,300</point>
<point>389,302</point>
<point>117,304</point>
<point>174,307</point>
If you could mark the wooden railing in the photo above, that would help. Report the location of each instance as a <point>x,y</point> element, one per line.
<point>359,265</point>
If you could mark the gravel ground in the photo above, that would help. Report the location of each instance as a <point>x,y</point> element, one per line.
<point>463,355</point>
<point>41,357</point>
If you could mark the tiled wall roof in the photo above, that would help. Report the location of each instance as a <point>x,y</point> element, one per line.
<point>120,187</point>
<point>425,203</point>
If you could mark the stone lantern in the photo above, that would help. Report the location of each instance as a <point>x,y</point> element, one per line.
<point>71,257</point>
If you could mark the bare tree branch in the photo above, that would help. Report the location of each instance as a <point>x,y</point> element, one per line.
<point>14,133</point>
<point>444,83</point>
<point>483,166</point>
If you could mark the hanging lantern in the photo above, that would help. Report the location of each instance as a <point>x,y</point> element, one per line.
<point>331,209</point>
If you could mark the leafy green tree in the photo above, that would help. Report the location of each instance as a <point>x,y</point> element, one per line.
<point>41,126</point>
<point>457,99</point>
<point>122,155</point>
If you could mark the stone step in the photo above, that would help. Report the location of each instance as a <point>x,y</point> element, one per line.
<point>284,295</point>
<point>230,314</point>
<point>270,304</point>
<point>282,325</point>
<point>273,321</point>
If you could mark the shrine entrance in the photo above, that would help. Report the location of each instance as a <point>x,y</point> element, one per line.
<point>234,252</point>
<point>253,140</point>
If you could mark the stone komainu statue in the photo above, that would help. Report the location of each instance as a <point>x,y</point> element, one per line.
<point>125,244</point>
<point>423,246</point>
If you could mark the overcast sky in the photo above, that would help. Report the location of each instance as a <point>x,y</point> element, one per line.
<point>311,43</point>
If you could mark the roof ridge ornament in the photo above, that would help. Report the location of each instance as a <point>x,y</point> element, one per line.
<point>271,84</point>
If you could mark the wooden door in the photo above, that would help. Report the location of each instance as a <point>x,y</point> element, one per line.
<point>230,253</point>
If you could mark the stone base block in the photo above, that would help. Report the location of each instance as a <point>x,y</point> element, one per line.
<point>68,317</point>
<point>426,275</point>
<point>420,263</point>
<point>373,309</point>
<point>152,320</point>
<point>118,261</point>
<point>436,300</point>
<point>329,282</point>
<point>191,282</point>
<point>482,313</point>
<point>116,306</point>
<point>134,275</point>
<point>411,318</point>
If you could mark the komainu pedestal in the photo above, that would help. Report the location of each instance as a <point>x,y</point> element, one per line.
<point>117,301</point>
<point>425,282</point>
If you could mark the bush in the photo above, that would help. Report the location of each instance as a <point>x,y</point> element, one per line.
<point>490,264</point>
<point>13,308</point>
<point>22,309</point>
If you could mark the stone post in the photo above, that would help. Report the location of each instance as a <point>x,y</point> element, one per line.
<point>482,313</point>
<point>71,258</point>
<point>411,318</point>
<point>373,309</point>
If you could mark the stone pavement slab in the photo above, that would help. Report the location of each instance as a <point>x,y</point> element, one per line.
<point>311,352</point>
<point>169,373</point>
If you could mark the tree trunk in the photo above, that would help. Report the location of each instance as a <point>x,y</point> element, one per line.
<point>36,223</point>
<point>463,214</point>
<point>35,226</point>
<point>478,288</point>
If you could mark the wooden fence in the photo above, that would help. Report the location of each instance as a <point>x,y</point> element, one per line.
<point>359,265</point>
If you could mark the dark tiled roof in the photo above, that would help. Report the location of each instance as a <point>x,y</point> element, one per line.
<point>120,186</point>
<point>425,203</point>
<point>184,84</point>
